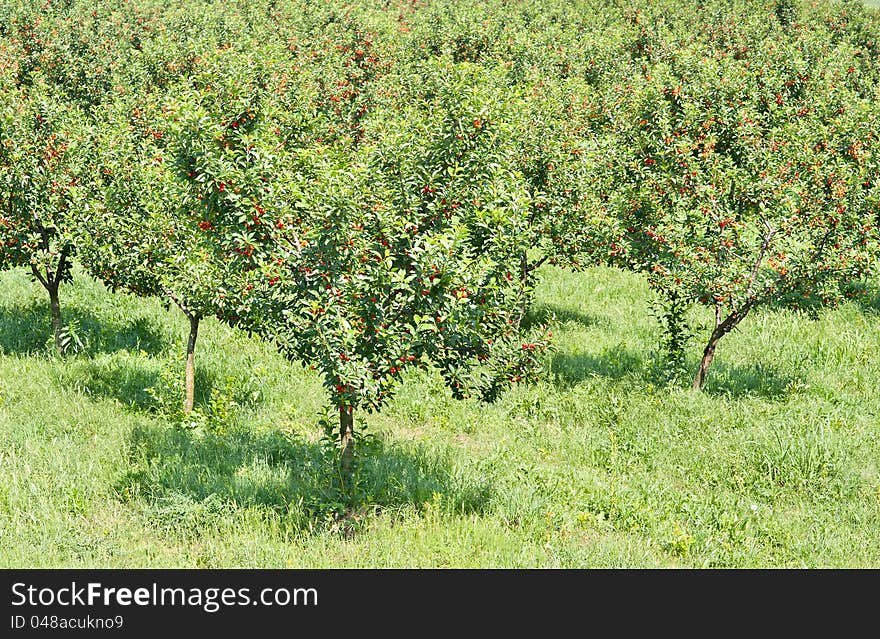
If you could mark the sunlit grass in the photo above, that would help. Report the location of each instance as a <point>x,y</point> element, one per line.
<point>601,464</point>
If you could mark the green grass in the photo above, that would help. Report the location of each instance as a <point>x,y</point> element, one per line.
<point>775,464</point>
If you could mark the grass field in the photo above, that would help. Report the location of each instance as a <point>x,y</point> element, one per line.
<point>775,464</point>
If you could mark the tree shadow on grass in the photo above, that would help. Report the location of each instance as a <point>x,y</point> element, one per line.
<point>615,363</point>
<point>156,386</point>
<point>868,299</point>
<point>864,294</point>
<point>26,329</point>
<point>191,480</point>
<point>739,381</point>
<point>620,364</point>
<point>541,313</point>
<point>127,382</point>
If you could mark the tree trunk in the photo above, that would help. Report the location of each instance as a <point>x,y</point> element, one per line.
<point>191,364</point>
<point>708,355</point>
<point>57,323</point>
<point>721,329</point>
<point>50,283</point>
<point>346,437</point>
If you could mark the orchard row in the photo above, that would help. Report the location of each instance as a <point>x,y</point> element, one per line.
<point>373,187</point>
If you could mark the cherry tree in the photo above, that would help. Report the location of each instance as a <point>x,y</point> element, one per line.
<point>401,256</point>
<point>737,177</point>
<point>43,151</point>
<point>185,189</point>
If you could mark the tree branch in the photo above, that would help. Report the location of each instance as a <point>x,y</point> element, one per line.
<point>39,276</point>
<point>62,265</point>
<point>44,233</point>
<point>754,275</point>
<point>536,265</point>
<point>189,314</point>
<point>44,240</point>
